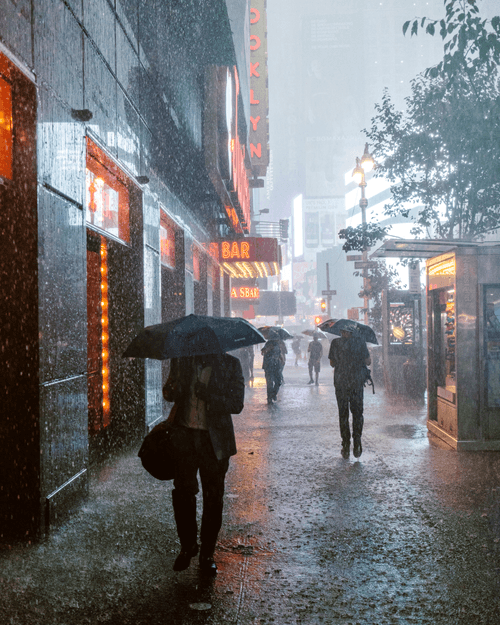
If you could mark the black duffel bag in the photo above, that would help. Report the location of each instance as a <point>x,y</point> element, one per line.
<point>156,452</point>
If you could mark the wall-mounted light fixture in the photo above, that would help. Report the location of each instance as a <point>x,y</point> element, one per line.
<point>81,115</point>
<point>142,180</point>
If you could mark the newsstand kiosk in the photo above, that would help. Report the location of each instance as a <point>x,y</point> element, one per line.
<point>463,347</point>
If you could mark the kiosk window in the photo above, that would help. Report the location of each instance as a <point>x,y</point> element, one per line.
<point>492,344</point>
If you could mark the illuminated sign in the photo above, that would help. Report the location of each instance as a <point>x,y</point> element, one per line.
<point>252,249</point>
<point>251,257</point>
<point>259,152</point>
<point>245,292</point>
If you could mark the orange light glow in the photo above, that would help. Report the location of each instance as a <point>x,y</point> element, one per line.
<point>6,134</point>
<point>104,333</point>
<point>445,268</point>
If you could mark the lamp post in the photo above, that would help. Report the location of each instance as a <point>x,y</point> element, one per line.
<point>363,166</point>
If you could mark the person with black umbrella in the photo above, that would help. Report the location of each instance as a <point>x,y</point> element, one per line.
<point>349,356</point>
<point>207,386</point>
<point>207,390</point>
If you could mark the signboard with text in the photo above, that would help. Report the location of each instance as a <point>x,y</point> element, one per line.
<point>259,135</point>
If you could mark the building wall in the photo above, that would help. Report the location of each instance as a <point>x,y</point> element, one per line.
<point>141,76</point>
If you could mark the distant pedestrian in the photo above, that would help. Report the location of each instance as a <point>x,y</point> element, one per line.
<point>206,390</point>
<point>315,351</point>
<point>349,356</point>
<point>272,367</point>
<point>296,349</point>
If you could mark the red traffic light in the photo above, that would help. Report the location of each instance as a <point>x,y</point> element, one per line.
<point>323,305</point>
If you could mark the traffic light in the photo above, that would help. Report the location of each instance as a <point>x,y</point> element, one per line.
<point>318,319</point>
<point>284,229</point>
<point>323,305</point>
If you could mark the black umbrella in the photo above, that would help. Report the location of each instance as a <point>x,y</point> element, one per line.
<point>275,332</point>
<point>335,327</point>
<point>193,335</point>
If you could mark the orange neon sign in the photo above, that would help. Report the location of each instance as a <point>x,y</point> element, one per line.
<point>245,292</point>
<point>235,249</point>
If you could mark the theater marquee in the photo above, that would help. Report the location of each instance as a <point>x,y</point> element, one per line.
<point>251,257</point>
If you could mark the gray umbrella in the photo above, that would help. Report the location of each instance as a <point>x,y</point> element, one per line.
<point>193,335</point>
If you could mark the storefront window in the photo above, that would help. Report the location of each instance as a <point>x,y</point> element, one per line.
<point>167,241</point>
<point>107,199</point>
<point>448,327</point>
<point>492,344</point>
<point>6,137</point>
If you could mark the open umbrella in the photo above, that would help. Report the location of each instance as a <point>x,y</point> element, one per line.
<point>193,335</point>
<point>313,333</point>
<point>335,327</point>
<point>281,333</point>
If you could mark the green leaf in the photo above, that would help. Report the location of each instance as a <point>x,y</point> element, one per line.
<point>430,29</point>
<point>414,28</point>
<point>406,26</point>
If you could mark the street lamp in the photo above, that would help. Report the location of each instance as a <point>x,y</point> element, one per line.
<point>363,166</point>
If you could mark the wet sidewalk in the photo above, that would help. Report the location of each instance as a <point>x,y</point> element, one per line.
<point>409,533</point>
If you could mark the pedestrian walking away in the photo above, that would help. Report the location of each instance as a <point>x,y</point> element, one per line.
<point>296,349</point>
<point>272,368</point>
<point>315,351</point>
<point>349,356</point>
<point>206,390</point>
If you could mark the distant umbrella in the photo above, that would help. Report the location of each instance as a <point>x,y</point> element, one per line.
<point>281,333</point>
<point>313,333</point>
<point>333,326</point>
<point>193,335</point>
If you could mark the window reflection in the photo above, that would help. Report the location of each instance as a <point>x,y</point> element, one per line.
<point>107,197</point>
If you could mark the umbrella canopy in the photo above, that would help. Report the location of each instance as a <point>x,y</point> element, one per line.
<point>193,335</point>
<point>313,333</point>
<point>281,333</point>
<point>359,329</point>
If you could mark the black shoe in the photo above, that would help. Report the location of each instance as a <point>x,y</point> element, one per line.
<point>358,450</point>
<point>208,566</point>
<point>184,558</point>
<point>346,451</point>
<point>311,382</point>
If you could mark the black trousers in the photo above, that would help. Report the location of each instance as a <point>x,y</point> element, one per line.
<point>194,452</point>
<point>350,399</point>
<point>273,382</point>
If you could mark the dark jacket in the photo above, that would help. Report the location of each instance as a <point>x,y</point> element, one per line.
<point>272,353</point>
<point>225,396</point>
<point>348,356</point>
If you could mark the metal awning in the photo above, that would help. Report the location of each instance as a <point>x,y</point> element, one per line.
<point>418,248</point>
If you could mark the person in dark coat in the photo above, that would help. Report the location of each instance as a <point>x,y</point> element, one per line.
<point>272,365</point>
<point>349,357</point>
<point>206,390</point>
<point>315,351</point>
